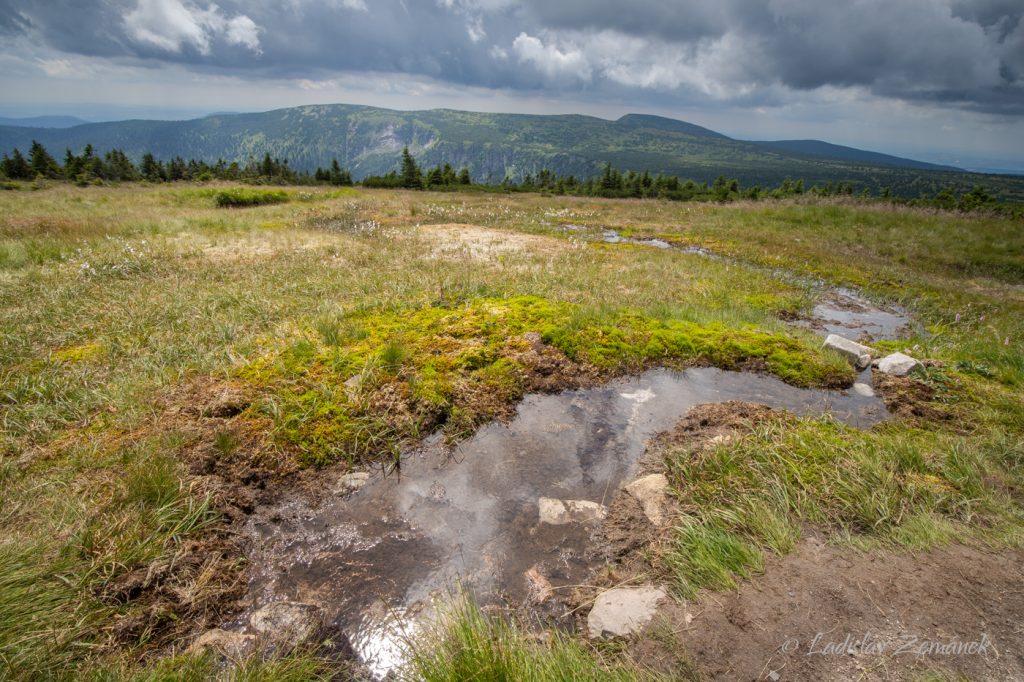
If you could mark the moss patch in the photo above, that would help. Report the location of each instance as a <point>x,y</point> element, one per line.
<point>80,353</point>
<point>357,386</point>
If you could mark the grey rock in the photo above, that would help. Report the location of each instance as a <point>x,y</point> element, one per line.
<point>623,611</point>
<point>863,389</point>
<point>898,365</point>
<point>858,354</point>
<point>286,625</point>
<point>650,492</point>
<point>560,512</point>
<point>351,482</point>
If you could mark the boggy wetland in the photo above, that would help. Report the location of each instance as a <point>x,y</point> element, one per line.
<point>369,434</point>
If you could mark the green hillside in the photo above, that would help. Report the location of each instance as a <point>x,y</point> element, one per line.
<point>368,141</point>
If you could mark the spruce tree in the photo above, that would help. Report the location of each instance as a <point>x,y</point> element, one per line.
<point>412,178</point>
<point>151,168</point>
<point>41,162</point>
<point>16,167</point>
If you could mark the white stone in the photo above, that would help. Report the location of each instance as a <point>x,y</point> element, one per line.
<point>859,355</point>
<point>863,389</point>
<point>650,492</point>
<point>623,611</point>
<point>561,512</point>
<point>898,364</point>
<point>351,482</point>
<point>287,624</point>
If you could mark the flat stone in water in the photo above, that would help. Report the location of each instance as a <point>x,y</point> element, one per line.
<point>622,611</point>
<point>372,559</point>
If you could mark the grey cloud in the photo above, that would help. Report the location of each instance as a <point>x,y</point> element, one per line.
<point>963,53</point>
<point>672,21</point>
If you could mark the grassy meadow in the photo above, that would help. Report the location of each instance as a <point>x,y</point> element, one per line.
<point>355,322</point>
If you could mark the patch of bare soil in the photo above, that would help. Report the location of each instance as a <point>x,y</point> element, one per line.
<point>230,464</point>
<point>910,399</point>
<point>454,240</point>
<point>828,613</point>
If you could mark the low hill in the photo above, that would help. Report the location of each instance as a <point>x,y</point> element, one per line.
<point>368,140</point>
<point>852,154</point>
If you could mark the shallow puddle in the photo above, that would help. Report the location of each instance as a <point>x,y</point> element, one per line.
<point>469,516</point>
<point>847,313</point>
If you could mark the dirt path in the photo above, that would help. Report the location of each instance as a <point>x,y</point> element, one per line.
<point>828,613</point>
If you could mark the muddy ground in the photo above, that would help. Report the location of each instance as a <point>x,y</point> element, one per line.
<point>827,612</point>
<point>830,613</point>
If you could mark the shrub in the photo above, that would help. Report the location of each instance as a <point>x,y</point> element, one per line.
<point>243,196</point>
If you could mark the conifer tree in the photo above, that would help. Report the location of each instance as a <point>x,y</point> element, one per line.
<point>16,167</point>
<point>41,162</point>
<point>412,178</point>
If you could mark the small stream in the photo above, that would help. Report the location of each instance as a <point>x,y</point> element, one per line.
<point>838,310</point>
<point>467,517</point>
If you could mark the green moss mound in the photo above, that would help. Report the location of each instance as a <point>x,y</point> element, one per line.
<point>360,385</point>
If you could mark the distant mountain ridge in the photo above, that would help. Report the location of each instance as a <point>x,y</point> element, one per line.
<point>369,140</point>
<point>836,151</point>
<point>43,122</point>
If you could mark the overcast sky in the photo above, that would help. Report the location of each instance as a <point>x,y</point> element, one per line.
<point>936,79</point>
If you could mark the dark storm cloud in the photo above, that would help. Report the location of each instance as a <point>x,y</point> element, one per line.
<point>968,53</point>
<point>667,20</point>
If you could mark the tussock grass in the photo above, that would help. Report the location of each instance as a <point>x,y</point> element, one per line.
<point>887,487</point>
<point>44,623</point>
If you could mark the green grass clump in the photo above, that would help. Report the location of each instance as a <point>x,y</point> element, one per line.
<point>50,611</point>
<point>42,616</point>
<point>243,196</point>
<point>470,645</point>
<point>888,486</point>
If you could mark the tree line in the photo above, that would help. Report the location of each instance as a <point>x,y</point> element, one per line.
<point>115,166</point>
<point>89,167</point>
